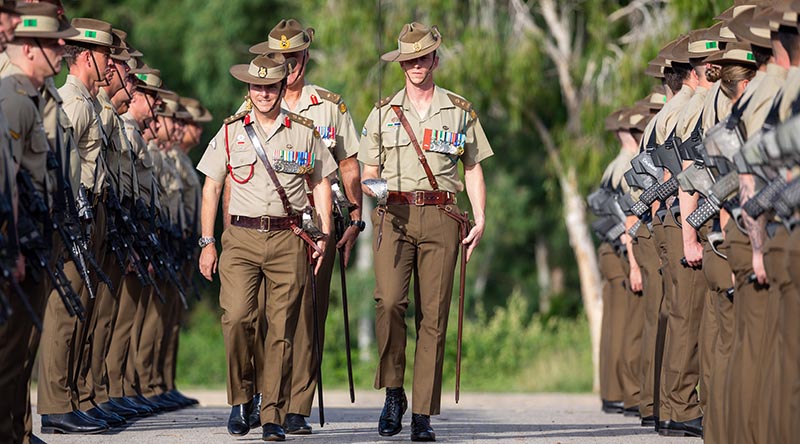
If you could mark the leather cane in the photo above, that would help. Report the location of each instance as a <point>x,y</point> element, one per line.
<point>317,342</point>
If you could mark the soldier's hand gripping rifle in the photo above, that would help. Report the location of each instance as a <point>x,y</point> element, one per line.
<point>9,251</point>
<point>341,219</point>
<point>35,245</point>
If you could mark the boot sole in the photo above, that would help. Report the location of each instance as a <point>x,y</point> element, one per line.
<point>61,431</point>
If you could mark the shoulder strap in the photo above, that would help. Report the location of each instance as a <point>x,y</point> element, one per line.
<point>420,155</point>
<point>329,96</point>
<point>300,119</point>
<point>251,133</point>
<point>235,117</point>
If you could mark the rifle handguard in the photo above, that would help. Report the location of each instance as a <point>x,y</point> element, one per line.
<point>645,201</point>
<point>635,228</point>
<point>765,199</point>
<point>789,199</point>
<point>668,188</point>
<point>703,214</point>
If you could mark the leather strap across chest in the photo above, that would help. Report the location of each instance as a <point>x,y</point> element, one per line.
<point>414,142</point>
<point>251,133</point>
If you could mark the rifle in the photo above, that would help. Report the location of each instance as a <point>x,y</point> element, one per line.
<point>36,246</point>
<point>722,192</point>
<point>341,220</point>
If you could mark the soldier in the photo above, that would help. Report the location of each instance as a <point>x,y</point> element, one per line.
<point>265,207</point>
<point>335,125</point>
<point>16,332</point>
<point>92,381</point>
<point>88,60</point>
<point>746,247</point>
<point>421,233</point>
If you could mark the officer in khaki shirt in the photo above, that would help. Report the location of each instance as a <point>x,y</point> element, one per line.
<point>263,240</point>
<point>335,125</point>
<point>419,231</point>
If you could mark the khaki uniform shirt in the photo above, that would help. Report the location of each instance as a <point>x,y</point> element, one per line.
<point>759,99</point>
<point>8,181</point>
<point>59,133</point>
<point>401,167</point>
<point>80,108</point>
<point>614,175</point>
<point>331,118</point>
<point>22,106</point>
<point>191,188</point>
<point>690,114</point>
<point>128,179</point>
<point>791,92</point>
<point>170,181</point>
<point>716,107</point>
<point>252,192</point>
<point>667,118</point>
<point>144,161</point>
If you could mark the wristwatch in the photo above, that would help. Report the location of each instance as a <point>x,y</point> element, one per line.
<point>205,241</point>
<point>358,223</point>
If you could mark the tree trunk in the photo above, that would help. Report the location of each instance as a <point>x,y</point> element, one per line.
<point>543,275</point>
<point>586,257</point>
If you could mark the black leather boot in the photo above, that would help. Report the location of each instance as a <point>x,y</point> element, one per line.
<point>296,424</point>
<point>255,411</point>
<point>396,404</point>
<point>421,429</point>
<point>272,432</point>
<point>238,423</point>
<point>71,423</point>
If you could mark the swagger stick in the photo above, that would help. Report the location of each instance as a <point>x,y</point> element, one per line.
<point>317,342</point>
<point>346,315</point>
<point>463,227</point>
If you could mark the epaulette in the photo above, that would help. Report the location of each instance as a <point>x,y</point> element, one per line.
<point>383,102</point>
<point>235,117</point>
<point>300,119</point>
<point>463,104</point>
<point>329,96</point>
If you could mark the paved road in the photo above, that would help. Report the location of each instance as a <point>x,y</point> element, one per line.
<point>478,418</point>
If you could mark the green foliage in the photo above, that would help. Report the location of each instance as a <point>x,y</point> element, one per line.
<point>506,351</point>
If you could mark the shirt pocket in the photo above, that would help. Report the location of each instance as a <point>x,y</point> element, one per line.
<point>241,164</point>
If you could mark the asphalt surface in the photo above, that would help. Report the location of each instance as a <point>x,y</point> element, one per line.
<point>478,418</point>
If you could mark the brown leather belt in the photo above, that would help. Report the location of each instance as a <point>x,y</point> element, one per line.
<point>266,223</point>
<point>420,198</point>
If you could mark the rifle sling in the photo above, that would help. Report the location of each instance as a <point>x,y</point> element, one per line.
<point>420,155</point>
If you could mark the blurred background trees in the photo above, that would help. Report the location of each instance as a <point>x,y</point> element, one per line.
<point>542,74</point>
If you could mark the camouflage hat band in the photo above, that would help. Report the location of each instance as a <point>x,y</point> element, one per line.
<point>411,48</point>
<point>287,44</point>
<point>37,23</point>
<point>703,47</point>
<point>94,36</point>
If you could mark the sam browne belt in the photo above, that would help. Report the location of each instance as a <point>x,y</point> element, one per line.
<point>266,223</point>
<point>421,198</point>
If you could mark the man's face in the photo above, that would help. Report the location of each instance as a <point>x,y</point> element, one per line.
<point>299,68</point>
<point>420,69</point>
<point>8,22</point>
<point>105,64</point>
<point>114,76</point>
<point>49,57</point>
<point>265,97</point>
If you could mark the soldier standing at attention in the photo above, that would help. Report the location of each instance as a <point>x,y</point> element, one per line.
<point>421,232</point>
<point>269,153</point>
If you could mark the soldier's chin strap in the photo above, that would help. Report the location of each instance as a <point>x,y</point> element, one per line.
<point>152,114</point>
<point>44,54</point>
<point>302,67</point>
<point>100,78</point>
<point>122,79</point>
<point>427,76</point>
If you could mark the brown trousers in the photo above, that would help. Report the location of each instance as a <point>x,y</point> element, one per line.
<point>793,357</point>
<point>647,256</point>
<point>661,408</point>
<point>681,368</point>
<point>136,363</point>
<point>248,257</point>
<point>118,348</point>
<point>56,355</point>
<point>749,308</point>
<point>613,324</point>
<point>93,377</point>
<point>304,359</point>
<point>716,343</point>
<point>422,241</point>
<point>781,347</point>
<point>149,367</point>
<point>19,341</point>
<point>631,341</point>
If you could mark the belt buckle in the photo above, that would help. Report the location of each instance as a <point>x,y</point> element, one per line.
<point>419,198</point>
<point>261,224</point>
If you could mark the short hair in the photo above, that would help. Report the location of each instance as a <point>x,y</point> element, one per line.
<point>71,53</point>
<point>761,54</point>
<point>676,75</point>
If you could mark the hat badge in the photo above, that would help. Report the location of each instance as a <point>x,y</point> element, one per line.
<point>284,42</point>
<point>417,46</point>
<point>262,72</point>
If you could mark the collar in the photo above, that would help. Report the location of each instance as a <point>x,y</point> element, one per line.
<point>439,101</point>
<point>102,97</point>
<point>282,120</point>
<point>21,81</point>
<point>775,70</point>
<point>77,84</point>
<point>128,117</point>
<point>308,98</point>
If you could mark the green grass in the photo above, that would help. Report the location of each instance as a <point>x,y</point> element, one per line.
<point>507,351</point>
